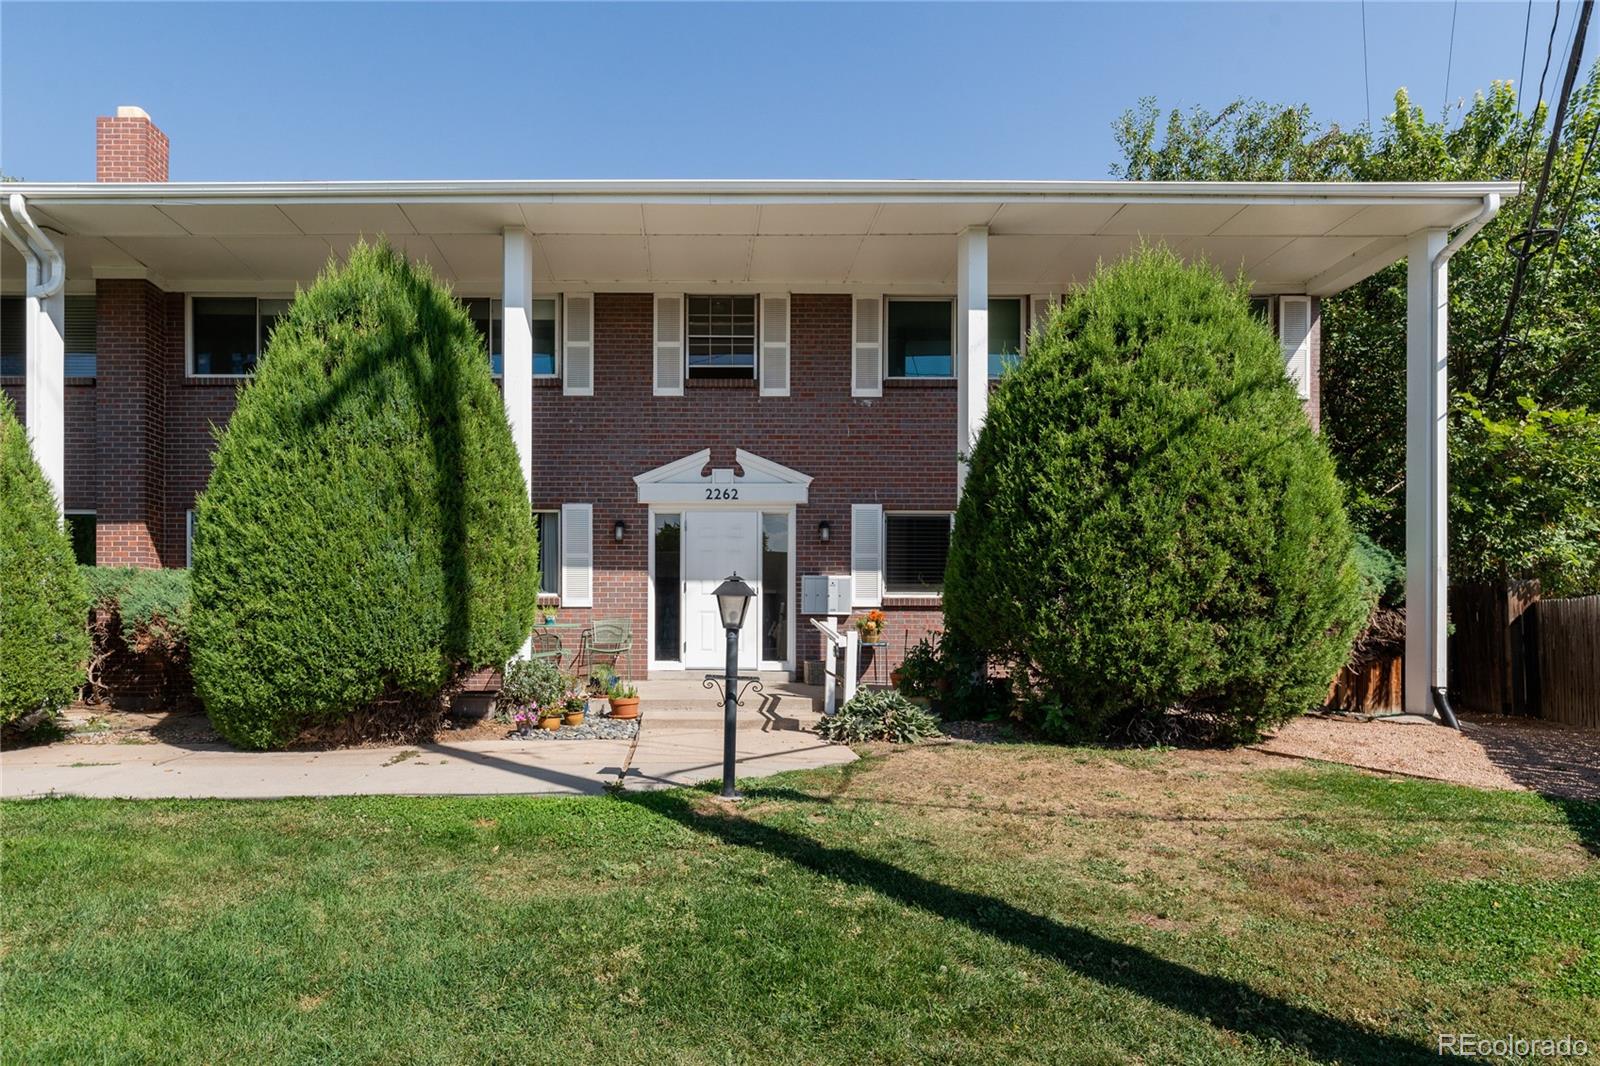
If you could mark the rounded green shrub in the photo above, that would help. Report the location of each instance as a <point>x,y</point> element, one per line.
<point>366,531</point>
<point>1150,524</point>
<point>44,604</point>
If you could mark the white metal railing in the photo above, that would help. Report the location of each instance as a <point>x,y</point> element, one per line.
<point>836,644</point>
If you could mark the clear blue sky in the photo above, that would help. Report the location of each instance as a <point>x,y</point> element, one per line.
<point>366,90</point>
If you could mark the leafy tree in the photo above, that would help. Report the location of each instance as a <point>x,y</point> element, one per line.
<point>366,529</point>
<point>1523,496</point>
<point>1149,521</point>
<point>44,604</point>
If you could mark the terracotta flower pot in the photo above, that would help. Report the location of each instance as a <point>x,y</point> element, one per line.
<point>628,708</point>
<point>572,718</point>
<point>894,678</point>
<point>549,721</point>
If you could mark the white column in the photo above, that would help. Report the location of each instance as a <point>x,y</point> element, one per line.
<point>45,380</point>
<point>972,341</point>
<point>517,339</point>
<point>1427,519</point>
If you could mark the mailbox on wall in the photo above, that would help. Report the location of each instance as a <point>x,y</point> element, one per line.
<point>828,594</point>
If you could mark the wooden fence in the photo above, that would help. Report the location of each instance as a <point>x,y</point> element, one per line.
<point>1512,652</point>
<point>1569,660</point>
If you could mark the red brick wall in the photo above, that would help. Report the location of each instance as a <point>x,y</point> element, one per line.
<point>129,148</point>
<point>898,451</point>
<point>194,407</point>
<point>130,423</point>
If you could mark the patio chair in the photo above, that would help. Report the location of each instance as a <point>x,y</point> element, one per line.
<point>547,645</point>
<point>605,642</point>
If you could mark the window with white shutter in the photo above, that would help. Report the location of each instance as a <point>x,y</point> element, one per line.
<point>1294,333</point>
<point>866,554</point>
<point>866,358</point>
<point>669,345</point>
<point>775,344</point>
<point>577,347</point>
<point>577,555</point>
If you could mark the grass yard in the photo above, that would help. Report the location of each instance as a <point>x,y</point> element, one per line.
<point>954,903</point>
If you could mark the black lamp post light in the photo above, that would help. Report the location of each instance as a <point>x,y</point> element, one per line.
<point>733,602</point>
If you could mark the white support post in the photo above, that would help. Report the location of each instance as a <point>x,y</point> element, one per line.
<point>1427,517</point>
<point>46,395</point>
<point>972,342</point>
<point>516,381</point>
<point>517,314</point>
<point>852,660</point>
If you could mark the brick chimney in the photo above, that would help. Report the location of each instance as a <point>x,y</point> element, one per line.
<point>129,147</point>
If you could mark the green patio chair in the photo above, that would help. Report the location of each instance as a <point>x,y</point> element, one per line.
<point>605,642</point>
<point>547,645</point>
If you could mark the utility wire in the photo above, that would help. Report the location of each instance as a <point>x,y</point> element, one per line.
<point>1522,69</point>
<point>1524,245</point>
<point>1366,74</point>
<point>1533,130</point>
<point>1450,56</point>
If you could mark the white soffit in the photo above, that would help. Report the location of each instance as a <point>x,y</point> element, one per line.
<point>233,220</point>
<point>816,219</point>
<point>279,258</point>
<point>791,259</point>
<point>886,260</point>
<point>691,219</point>
<point>1051,219</point>
<point>691,259</point>
<point>339,219</point>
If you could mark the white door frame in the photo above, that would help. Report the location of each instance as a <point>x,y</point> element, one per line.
<point>789,510</point>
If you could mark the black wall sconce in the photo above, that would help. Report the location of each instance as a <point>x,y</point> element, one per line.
<point>824,531</point>
<point>618,530</point>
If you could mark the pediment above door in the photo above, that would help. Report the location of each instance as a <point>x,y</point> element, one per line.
<point>754,481</point>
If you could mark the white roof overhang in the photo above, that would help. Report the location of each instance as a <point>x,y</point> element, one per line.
<point>692,480</point>
<point>893,236</point>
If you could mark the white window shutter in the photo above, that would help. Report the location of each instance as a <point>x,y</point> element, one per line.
<point>866,554</point>
<point>775,344</point>
<point>577,555</point>
<point>669,344</point>
<point>1294,333</point>
<point>866,361</point>
<point>577,348</point>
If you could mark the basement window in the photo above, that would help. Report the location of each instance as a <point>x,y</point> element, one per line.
<point>227,334</point>
<point>721,336</point>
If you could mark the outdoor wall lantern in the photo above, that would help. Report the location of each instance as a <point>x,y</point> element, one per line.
<point>824,531</point>
<point>733,601</point>
<point>618,530</point>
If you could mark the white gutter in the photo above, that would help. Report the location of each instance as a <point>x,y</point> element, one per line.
<point>1491,208</point>
<point>47,271</point>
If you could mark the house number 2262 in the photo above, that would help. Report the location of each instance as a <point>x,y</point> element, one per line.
<point>722,494</point>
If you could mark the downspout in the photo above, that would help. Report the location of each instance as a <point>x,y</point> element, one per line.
<point>1491,207</point>
<point>40,252</point>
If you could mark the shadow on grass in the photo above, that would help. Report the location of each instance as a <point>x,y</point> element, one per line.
<point>1217,1001</point>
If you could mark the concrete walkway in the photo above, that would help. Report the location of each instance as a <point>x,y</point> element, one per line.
<point>657,758</point>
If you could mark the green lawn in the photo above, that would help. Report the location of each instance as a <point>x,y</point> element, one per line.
<point>952,904</point>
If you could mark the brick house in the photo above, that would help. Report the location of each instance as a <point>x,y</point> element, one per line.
<point>773,377</point>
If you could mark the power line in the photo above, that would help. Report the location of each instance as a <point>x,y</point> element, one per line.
<point>1366,75</point>
<point>1524,245</point>
<point>1522,69</point>
<point>1533,130</point>
<point>1450,56</point>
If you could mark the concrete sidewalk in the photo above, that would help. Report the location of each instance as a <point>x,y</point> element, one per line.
<point>657,758</point>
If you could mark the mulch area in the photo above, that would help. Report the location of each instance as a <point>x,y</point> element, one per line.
<point>1490,751</point>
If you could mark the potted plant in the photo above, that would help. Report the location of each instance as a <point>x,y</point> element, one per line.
<point>547,614</point>
<point>870,626</point>
<point>532,689</point>
<point>601,678</point>
<point>572,707</point>
<point>624,699</point>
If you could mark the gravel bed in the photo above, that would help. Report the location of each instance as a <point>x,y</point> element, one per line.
<point>591,729</point>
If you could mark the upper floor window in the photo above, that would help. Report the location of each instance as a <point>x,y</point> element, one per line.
<point>1261,307</point>
<point>920,338</point>
<point>227,334</point>
<point>488,316</point>
<point>79,336</point>
<point>1005,334</point>
<point>720,332</point>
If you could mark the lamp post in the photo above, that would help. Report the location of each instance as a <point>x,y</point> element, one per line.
<point>733,600</point>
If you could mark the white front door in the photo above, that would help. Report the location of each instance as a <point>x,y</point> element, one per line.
<point>715,545</point>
